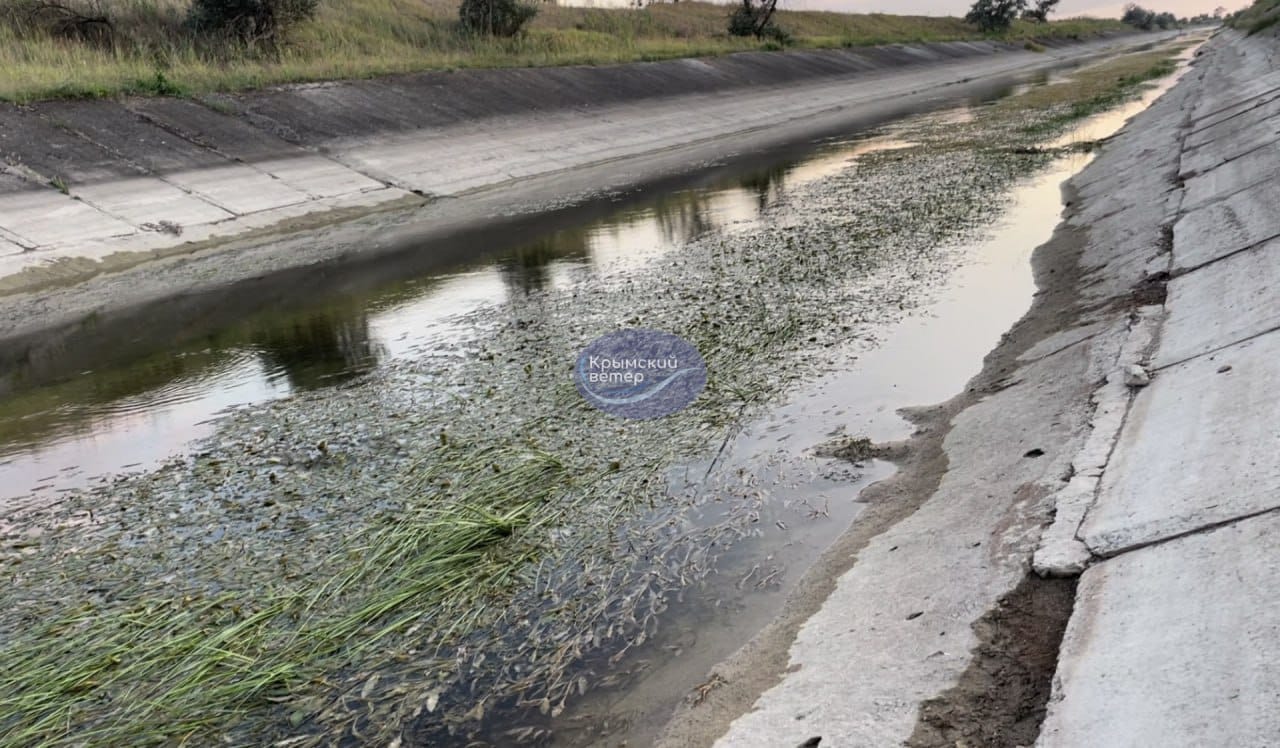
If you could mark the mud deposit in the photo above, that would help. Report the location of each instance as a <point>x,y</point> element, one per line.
<point>1000,701</point>
<point>454,547</point>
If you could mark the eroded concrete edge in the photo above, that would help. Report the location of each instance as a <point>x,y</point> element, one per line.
<point>1172,638</point>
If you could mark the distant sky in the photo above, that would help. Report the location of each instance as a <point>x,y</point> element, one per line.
<point>1066,9</point>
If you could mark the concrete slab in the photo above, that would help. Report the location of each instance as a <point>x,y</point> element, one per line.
<point>49,218</point>
<point>1193,451</point>
<point>1176,646</point>
<point>13,238</point>
<point>318,177</point>
<point>1257,166</point>
<point>1221,100</point>
<point>84,258</point>
<point>131,137</point>
<point>1221,304</point>
<point>1245,107</point>
<point>10,248</point>
<point>1257,113</point>
<point>1228,148</point>
<point>237,188</point>
<point>1230,225</point>
<point>49,149</point>
<point>168,155</point>
<point>147,200</point>
<point>235,138</point>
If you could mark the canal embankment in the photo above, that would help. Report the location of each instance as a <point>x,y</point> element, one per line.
<point>279,178</point>
<point>1083,551</point>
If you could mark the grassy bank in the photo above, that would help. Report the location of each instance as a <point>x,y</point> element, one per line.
<point>463,529</point>
<point>152,49</point>
<point>1262,15</point>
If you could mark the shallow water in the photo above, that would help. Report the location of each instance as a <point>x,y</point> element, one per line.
<point>120,394</point>
<point>927,358</point>
<point>77,410</point>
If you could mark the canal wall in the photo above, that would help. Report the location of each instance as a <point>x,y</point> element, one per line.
<point>1172,641</point>
<point>1085,549</point>
<point>93,186</point>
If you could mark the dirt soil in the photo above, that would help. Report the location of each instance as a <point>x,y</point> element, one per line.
<point>1001,699</point>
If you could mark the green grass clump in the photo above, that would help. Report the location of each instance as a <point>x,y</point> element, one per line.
<point>153,50</point>
<point>173,668</point>
<point>1094,89</point>
<point>1262,15</point>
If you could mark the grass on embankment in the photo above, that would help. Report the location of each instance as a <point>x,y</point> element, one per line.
<point>1262,15</point>
<point>152,50</point>
<point>1092,89</point>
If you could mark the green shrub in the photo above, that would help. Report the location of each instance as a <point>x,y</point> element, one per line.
<point>756,19</point>
<point>495,17</point>
<point>253,21</point>
<point>995,15</point>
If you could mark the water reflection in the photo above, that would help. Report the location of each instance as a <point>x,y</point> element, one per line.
<point>317,350</point>
<point>132,389</point>
<point>529,268</point>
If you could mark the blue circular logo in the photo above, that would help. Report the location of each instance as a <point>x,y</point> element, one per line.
<point>639,373</point>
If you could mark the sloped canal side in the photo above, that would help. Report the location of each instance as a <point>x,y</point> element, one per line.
<point>454,547</point>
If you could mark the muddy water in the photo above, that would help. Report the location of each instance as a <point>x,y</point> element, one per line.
<point>120,394</point>
<point>925,359</point>
<point>69,415</point>
<point>66,421</point>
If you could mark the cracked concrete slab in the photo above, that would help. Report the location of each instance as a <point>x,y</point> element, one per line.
<point>1193,450</point>
<point>1221,100</point>
<point>10,248</point>
<point>1221,303</point>
<point>1259,165</point>
<point>1251,109</point>
<point>49,218</point>
<point>1227,148</point>
<point>1258,114</point>
<point>1060,552</point>
<point>149,201</point>
<point>1176,645</point>
<point>1227,226</point>
<point>236,187</point>
<point>300,169</point>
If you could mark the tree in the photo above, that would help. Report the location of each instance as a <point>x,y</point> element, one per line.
<point>1040,11</point>
<point>1139,17</point>
<point>755,18</point>
<point>495,17</point>
<point>995,15</point>
<point>254,21</point>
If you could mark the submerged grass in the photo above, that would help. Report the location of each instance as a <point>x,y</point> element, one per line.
<point>174,668</point>
<point>1093,89</point>
<point>457,535</point>
<point>153,51</point>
